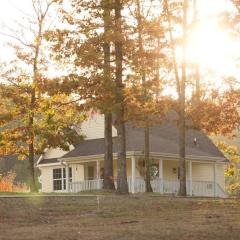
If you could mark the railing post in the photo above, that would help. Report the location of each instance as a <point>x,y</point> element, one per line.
<point>133,163</point>
<point>161,174</point>
<point>190,179</point>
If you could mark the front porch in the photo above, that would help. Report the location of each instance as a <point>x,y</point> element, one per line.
<point>202,177</point>
<point>200,188</point>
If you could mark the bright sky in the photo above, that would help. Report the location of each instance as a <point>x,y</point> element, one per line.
<point>209,45</point>
<point>10,12</point>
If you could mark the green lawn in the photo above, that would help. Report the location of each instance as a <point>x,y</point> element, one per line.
<point>140,217</point>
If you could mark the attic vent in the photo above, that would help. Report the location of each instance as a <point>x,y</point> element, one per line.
<point>195,141</point>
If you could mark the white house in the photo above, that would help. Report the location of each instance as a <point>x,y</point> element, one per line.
<point>82,168</point>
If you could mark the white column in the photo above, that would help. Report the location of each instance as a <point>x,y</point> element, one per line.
<point>67,178</point>
<point>98,169</point>
<point>214,179</point>
<point>190,178</point>
<point>98,173</point>
<point>161,174</point>
<point>133,163</point>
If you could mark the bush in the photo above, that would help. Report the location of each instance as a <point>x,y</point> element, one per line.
<point>234,189</point>
<point>7,183</point>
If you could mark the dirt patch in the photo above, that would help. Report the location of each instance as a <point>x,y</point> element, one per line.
<point>121,218</point>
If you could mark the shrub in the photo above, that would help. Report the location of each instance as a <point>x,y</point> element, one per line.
<point>7,183</point>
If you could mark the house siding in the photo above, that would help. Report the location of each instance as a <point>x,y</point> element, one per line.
<point>77,172</point>
<point>168,170</point>
<point>220,169</point>
<point>93,128</point>
<point>47,178</point>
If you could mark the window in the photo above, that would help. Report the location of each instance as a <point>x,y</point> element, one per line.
<point>59,178</point>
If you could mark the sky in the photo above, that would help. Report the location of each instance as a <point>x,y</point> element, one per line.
<point>209,45</point>
<point>10,12</point>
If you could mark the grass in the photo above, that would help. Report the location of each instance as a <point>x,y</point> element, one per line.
<point>54,193</point>
<point>138,217</point>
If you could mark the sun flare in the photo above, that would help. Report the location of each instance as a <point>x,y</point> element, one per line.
<point>211,47</point>
<point>209,44</point>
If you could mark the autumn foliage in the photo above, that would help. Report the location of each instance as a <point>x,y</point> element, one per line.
<point>232,173</point>
<point>7,183</point>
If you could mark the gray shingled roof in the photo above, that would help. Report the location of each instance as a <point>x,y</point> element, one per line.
<point>48,161</point>
<point>163,139</point>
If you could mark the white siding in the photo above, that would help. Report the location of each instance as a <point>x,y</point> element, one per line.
<point>205,172</point>
<point>220,175</point>
<point>93,128</point>
<point>47,178</point>
<point>170,170</point>
<point>77,172</point>
<point>202,172</point>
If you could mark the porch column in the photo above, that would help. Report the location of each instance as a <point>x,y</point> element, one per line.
<point>214,179</point>
<point>67,178</point>
<point>190,178</point>
<point>98,174</point>
<point>160,173</point>
<point>98,169</point>
<point>133,163</point>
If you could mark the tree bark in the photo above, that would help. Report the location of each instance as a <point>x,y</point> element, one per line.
<point>147,161</point>
<point>148,186</point>
<point>122,185</point>
<point>31,151</point>
<point>33,185</point>
<point>108,182</point>
<point>182,125</point>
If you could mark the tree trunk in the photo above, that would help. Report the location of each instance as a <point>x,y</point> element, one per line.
<point>108,182</point>
<point>147,160</point>
<point>33,186</point>
<point>182,126</point>
<point>31,152</point>
<point>122,185</point>
<point>146,129</point>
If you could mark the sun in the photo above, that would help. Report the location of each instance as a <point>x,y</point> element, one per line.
<point>209,44</point>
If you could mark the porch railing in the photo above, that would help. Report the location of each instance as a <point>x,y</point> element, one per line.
<point>86,185</point>
<point>199,188</point>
